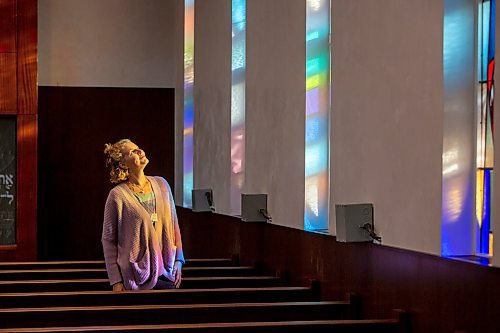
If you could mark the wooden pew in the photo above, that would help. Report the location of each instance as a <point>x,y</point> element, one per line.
<point>23,286</point>
<point>36,265</point>
<point>217,297</point>
<point>24,265</point>
<point>173,314</point>
<point>100,273</point>
<point>151,297</point>
<point>316,326</point>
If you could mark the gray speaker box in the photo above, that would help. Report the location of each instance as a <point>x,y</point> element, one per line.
<point>251,204</point>
<point>200,200</point>
<point>350,217</point>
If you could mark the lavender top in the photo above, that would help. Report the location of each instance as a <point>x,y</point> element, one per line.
<point>135,252</point>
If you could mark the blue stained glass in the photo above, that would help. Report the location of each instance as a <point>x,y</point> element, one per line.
<point>485,226</point>
<point>485,41</point>
<point>491,51</point>
<point>485,142</point>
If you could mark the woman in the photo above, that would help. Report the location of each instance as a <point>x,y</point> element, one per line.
<point>140,237</point>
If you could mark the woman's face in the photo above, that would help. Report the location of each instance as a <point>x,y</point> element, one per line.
<point>133,156</point>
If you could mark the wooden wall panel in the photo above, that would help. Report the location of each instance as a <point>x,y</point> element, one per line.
<point>27,36</point>
<point>7,26</point>
<point>442,295</point>
<point>18,96</point>
<point>27,187</point>
<point>8,83</point>
<point>75,123</point>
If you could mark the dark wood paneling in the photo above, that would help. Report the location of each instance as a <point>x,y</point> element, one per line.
<point>222,241</point>
<point>442,295</point>
<point>27,186</point>
<point>7,26</point>
<point>18,96</point>
<point>8,83</point>
<point>74,124</point>
<point>27,35</point>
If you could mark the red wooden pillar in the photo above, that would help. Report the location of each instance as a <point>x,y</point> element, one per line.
<point>18,98</point>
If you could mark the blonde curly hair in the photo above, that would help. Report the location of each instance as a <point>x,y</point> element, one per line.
<point>113,155</point>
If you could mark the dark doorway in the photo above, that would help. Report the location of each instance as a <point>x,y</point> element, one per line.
<point>74,124</point>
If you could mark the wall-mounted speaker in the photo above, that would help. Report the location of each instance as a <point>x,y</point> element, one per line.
<point>203,200</point>
<point>354,222</point>
<point>254,208</point>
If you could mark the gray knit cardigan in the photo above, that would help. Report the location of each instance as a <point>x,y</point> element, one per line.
<point>136,253</point>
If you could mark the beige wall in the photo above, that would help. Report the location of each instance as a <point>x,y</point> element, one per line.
<point>115,43</point>
<point>212,99</point>
<point>275,107</point>
<point>387,97</point>
<point>112,43</point>
<point>387,116</point>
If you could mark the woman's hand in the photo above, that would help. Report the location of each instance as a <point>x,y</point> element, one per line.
<point>177,271</point>
<point>117,287</point>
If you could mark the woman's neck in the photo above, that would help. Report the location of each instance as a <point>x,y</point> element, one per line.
<point>137,178</point>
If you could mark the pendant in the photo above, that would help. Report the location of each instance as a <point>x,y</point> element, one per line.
<point>154,217</point>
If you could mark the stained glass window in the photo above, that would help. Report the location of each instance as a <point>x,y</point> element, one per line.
<point>485,126</point>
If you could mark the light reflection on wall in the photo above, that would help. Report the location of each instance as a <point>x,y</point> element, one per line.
<point>238,65</point>
<point>458,128</point>
<point>188,100</point>
<point>484,158</point>
<point>317,114</point>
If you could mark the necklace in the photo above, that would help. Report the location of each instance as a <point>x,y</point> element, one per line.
<point>140,189</point>
<point>154,215</point>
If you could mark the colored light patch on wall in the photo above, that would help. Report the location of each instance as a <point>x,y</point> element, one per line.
<point>188,102</point>
<point>315,208</point>
<point>317,110</point>
<point>317,81</point>
<point>317,65</point>
<point>315,129</point>
<point>238,70</point>
<point>458,128</point>
<point>316,159</point>
<point>312,101</point>
<point>238,105</point>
